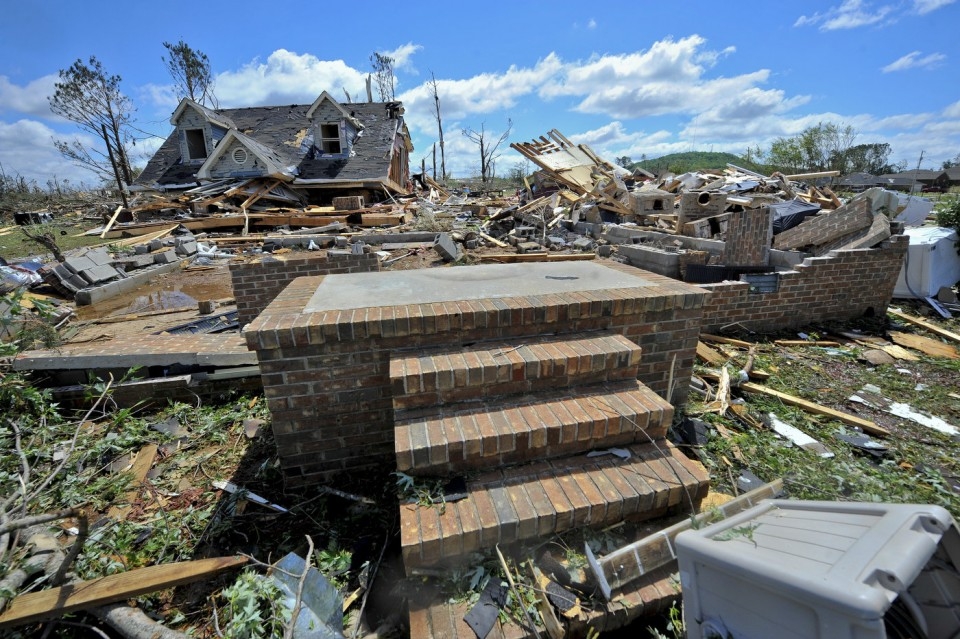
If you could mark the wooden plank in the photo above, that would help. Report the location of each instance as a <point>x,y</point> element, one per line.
<point>804,342</point>
<point>852,420</point>
<point>493,240</point>
<point>56,602</point>
<point>925,345</point>
<point>707,337</point>
<point>141,466</point>
<point>933,328</point>
<point>537,257</point>
<point>113,219</point>
<point>710,355</point>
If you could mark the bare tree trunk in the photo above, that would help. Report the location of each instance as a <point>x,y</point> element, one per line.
<point>443,159</point>
<point>132,623</point>
<point>116,173</point>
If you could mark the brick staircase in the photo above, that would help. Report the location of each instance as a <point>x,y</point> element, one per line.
<point>523,420</point>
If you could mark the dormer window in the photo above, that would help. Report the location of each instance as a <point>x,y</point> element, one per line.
<point>196,144</point>
<point>330,139</point>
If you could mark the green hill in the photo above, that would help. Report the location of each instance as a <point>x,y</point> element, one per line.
<point>697,160</point>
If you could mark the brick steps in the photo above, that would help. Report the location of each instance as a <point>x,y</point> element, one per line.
<point>508,367</point>
<point>542,498</point>
<point>449,439</point>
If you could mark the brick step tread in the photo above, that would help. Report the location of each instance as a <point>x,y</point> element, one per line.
<point>451,439</point>
<point>542,498</point>
<point>501,367</point>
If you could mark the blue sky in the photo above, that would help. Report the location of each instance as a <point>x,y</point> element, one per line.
<point>635,79</point>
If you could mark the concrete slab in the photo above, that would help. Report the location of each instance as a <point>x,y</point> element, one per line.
<point>423,286</point>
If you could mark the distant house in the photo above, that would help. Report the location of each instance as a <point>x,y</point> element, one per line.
<point>898,182</point>
<point>857,182</point>
<point>319,150</point>
<point>928,178</point>
<point>953,175</point>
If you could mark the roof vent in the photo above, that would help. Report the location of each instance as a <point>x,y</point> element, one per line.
<point>240,156</point>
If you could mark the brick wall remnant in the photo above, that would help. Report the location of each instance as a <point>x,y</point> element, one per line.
<point>749,233</point>
<point>256,284</point>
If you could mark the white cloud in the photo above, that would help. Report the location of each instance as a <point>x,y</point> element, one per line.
<point>848,15</point>
<point>913,61</point>
<point>30,99</point>
<point>952,111</point>
<point>592,24</point>
<point>287,78</point>
<point>403,56</point>
<point>924,7</point>
<point>26,149</point>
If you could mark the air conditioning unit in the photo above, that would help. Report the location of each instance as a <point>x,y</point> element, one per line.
<point>831,570</point>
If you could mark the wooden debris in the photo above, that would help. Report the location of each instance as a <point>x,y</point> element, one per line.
<point>710,355</point>
<point>811,407</point>
<point>725,340</point>
<point>933,328</point>
<point>139,469</point>
<point>553,626</point>
<point>508,258</point>
<point>803,342</point>
<point>56,602</point>
<point>925,345</point>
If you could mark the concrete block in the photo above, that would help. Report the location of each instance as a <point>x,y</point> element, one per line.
<point>605,250</point>
<point>584,244</point>
<point>341,241</point>
<point>79,263</point>
<point>99,256</point>
<point>530,247</point>
<point>449,250</point>
<point>166,257</point>
<point>186,247</point>
<point>155,245</point>
<point>556,242</point>
<point>100,273</point>
<point>652,259</point>
<point>141,249</point>
<point>472,244</point>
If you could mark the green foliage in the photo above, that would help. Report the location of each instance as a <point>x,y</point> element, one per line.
<point>334,562</point>
<point>91,98</point>
<point>190,70</point>
<point>254,608</point>
<point>22,328</point>
<point>948,216</point>
<point>674,625</point>
<point>697,160</point>
<point>424,493</point>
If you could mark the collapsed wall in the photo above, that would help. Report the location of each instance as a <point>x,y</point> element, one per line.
<point>841,285</point>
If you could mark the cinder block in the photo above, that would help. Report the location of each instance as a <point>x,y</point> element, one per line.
<point>99,256</point>
<point>79,263</point>
<point>100,273</point>
<point>166,257</point>
<point>186,247</point>
<point>584,244</point>
<point>449,250</point>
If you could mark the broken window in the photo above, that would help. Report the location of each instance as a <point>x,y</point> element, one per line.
<point>196,144</point>
<point>330,138</point>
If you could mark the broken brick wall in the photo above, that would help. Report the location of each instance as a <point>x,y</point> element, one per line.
<point>256,284</point>
<point>326,375</point>
<point>839,286</point>
<point>749,233</point>
<point>838,226</point>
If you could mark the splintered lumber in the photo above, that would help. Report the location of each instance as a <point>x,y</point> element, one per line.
<point>654,551</point>
<point>810,407</point>
<point>710,355</point>
<point>707,337</point>
<point>113,219</point>
<point>804,342</point>
<point>56,602</point>
<point>139,469</point>
<point>933,328</point>
<point>493,240</point>
<point>925,345</point>
<point>537,257</point>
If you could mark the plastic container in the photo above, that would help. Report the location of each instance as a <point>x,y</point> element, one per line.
<point>800,569</point>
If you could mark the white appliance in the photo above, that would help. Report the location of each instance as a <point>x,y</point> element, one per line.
<point>931,262</point>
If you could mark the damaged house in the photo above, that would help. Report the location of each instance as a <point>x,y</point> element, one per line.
<point>311,151</point>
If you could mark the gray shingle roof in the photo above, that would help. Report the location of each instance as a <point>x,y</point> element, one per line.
<point>282,129</point>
